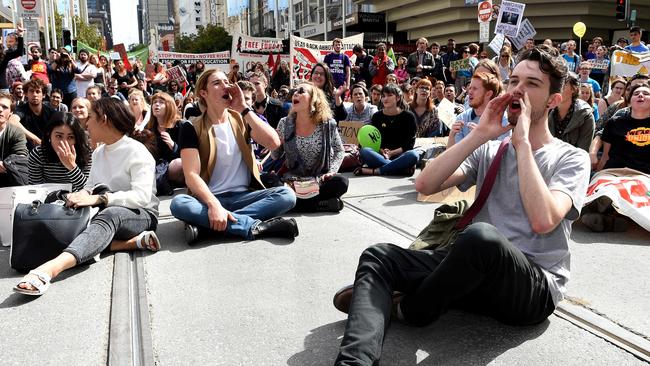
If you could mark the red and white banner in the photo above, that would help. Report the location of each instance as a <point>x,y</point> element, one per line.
<point>629,191</point>
<point>305,53</point>
<point>246,50</point>
<point>246,61</point>
<point>210,60</point>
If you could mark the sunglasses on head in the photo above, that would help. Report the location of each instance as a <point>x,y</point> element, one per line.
<point>302,90</point>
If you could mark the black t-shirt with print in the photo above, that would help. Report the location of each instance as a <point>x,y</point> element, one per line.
<point>630,143</point>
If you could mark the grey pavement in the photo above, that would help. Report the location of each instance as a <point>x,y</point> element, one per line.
<point>269,302</point>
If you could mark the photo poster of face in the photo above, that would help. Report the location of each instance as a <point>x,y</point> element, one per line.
<point>510,17</point>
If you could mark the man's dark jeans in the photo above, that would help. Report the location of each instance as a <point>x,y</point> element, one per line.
<point>482,273</point>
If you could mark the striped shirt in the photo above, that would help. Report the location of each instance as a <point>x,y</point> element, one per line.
<point>42,170</point>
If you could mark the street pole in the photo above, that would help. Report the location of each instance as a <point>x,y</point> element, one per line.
<point>290,19</point>
<point>53,20</point>
<point>343,4</point>
<point>46,25</point>
<point>325,19</point>
<point>277,19</point>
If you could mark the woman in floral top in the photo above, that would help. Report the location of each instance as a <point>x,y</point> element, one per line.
<point>313,149</point>
<point>426,114</point>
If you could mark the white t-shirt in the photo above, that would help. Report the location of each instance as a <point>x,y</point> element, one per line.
<point>230,173</point>
<point>82,85</point>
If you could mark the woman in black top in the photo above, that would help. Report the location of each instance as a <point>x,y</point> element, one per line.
<point>626,137</point>
<point>164,123</point>
<point>397,127</point>
<point>125,79</point>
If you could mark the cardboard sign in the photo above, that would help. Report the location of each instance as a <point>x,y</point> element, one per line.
<point>625,63</point>
<point>349,131</point>
<point>598,64</point>
<point>497,43</point>
<point>119,48</point>
<point>449,195</point>
<point>510,17</point>
<point>446,112</point>
<point>175,73</point>
<point>462,64</point>
<point>526,31</point>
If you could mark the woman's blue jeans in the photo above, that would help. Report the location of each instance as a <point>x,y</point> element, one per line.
<point>397,166</point>
<point>248,207</point>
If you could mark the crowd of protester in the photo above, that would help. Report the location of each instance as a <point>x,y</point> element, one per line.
<point>249,148</point>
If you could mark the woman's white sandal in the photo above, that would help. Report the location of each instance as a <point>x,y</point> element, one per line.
<point>143,241</point>
<point>41,283</point>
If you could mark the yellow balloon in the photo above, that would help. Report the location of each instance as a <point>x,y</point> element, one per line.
<point>579,29</point>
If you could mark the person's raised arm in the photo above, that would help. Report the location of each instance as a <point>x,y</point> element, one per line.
<point>544,207</point>
<point>444,171</point>
<point>261,132</point>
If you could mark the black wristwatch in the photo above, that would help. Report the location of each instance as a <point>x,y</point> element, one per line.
<point>103,200</point>
<point>245,111</point>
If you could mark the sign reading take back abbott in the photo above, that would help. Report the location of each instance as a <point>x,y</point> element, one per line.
<point>29,8</point>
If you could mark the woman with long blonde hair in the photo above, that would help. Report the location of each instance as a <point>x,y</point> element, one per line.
<point>313,149</point>
<point>139,108</point>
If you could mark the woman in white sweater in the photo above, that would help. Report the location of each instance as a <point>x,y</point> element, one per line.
<point>129,207</point>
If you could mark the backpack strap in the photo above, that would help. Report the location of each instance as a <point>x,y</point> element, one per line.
<point>486,188</point>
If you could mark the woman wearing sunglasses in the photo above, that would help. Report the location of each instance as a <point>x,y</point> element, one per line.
<point>313,149</point>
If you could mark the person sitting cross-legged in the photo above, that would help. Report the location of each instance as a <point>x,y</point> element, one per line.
<point>129,213</point>
<point>512,262</point>
<point>397,127</point>
<point>313,149</point>
<point>221,172</point>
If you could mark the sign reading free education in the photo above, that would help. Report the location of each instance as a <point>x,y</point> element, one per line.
<point>510,17</point>
<point>212,58</point>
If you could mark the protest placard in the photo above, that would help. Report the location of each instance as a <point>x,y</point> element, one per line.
<point>175,73</point>
<point>526,31</point>
<point>509,20</point>
<point>349,131</point>
<point>460,65</point>
<point>598,64</point>
<point>497,43</point>
<point>629,64</point>
<point>446,112</point>
<point>304,53</point>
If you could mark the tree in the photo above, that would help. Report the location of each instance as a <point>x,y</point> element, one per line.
<point>86,33</point>
<point>210,38</point>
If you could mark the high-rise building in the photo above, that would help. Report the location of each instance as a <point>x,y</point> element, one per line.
<point>99,14</point>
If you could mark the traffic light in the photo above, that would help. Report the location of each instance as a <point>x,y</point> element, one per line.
<point>67,38</point>
<point>621,13</point>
